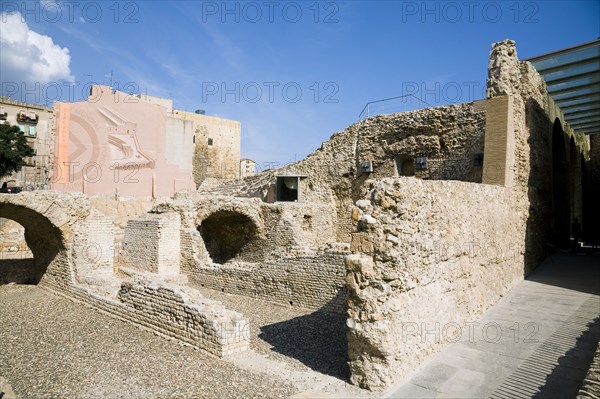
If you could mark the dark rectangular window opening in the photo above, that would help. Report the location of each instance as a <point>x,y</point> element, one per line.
<point>210,142</point>
<point>406,166</point>
<point>288,188</point>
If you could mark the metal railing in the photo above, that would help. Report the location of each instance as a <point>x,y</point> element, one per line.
<point>393,105</point>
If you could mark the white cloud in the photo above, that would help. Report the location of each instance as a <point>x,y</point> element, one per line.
<point>28,56</point>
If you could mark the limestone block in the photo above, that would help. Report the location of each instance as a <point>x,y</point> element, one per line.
<point>152,244</point>
<point>360,243</point>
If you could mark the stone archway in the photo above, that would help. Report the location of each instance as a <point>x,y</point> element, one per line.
<point>230,235</point>
<point>43,238</point>
<point>71,241</point>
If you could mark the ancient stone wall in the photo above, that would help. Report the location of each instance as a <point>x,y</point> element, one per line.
<point>314,282</point>
<point>442,252</point>
<point>120,210</point>
<point>535,120</point>
<point>449,139</point>
<point>171,312</point>
<point>282,252</point>
<point>298,225</point>
<point>94,251</point>
<point>275,228</point>
<point>208,325</point>
<point>72,244</point>
<point>57,230</point>
<point>433,254</point>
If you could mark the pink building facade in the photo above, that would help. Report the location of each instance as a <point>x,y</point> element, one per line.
<point>120,144</point>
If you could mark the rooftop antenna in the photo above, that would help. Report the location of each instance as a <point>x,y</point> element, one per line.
<point>111,78</point>
<point>91,82</point>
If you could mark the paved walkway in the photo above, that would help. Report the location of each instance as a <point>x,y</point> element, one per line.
<point>538,341</point>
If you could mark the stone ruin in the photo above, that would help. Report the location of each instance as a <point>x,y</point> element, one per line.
<point>406,219</point>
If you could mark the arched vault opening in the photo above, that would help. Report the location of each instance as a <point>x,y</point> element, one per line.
<point>43,238</point>
<point>230,235</point>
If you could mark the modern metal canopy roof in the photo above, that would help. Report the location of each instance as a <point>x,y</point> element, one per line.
<point>573,79</point>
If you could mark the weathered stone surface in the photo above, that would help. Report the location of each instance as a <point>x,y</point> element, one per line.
<point>199,321</point>
<point>152,243</point>
<point>444,251</point>
<point>591,384</point>
<point>360,243</point>
<point>438,265</point>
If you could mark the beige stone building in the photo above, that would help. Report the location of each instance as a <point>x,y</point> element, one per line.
<point>35,121</point>
<point>217,146</point>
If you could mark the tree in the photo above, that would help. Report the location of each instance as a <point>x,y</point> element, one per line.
<point>13,149</point>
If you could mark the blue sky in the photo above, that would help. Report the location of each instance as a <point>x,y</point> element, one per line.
<point>292,72</point>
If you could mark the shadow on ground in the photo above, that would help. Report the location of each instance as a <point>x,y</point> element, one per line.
<point>318,340</point>
<point>567,377</point>
<point>20,271</point>
<point>579,272</point>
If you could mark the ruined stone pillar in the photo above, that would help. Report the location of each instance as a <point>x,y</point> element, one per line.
<point>152,244</point>
<point>499,147</point>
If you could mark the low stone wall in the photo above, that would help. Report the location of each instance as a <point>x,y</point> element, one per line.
<point>591,384</point>
<point>201,322</point>
<point>197,321</point>
<point>314,282</point>
<point>430,254</point>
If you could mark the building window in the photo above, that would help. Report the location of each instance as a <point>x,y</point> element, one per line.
<point>29,117</point>
<point>31,131</point>
<point>194,139</point>
<point>288,188</point>
<point>210,142</point>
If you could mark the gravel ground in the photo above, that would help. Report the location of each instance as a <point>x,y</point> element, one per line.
<point>53,347</point>
<point>299,337</point>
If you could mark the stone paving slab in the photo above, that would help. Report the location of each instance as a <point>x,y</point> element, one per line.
<point>538,341</point>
